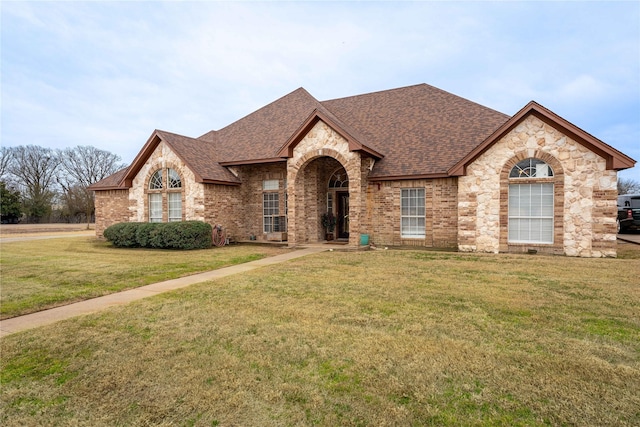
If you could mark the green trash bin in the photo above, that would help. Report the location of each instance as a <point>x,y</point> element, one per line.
<point>364,239</point>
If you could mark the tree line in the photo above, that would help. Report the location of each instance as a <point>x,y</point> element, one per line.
<point>41,184</point>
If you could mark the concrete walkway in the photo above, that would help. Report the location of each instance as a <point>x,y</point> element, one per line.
<point>46,317</point>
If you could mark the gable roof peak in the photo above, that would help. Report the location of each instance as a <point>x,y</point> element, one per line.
<point>615,159</point>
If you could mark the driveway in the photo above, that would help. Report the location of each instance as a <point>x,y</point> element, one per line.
<point>630,237</point>
<point>20,232</point>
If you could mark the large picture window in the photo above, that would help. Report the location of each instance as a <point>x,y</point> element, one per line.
<point>412,214</point>
<point>531,204</point>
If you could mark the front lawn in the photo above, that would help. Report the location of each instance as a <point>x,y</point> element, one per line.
<point>358,339</point>
<point>40,274</point>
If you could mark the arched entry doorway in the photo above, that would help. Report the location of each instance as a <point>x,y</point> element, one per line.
<point>320,186</point>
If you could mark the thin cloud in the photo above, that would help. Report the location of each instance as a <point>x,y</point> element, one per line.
<point>108,73</point>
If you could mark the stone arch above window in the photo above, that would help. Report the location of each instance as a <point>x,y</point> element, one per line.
<point>531,168</point>
<point>155,183</point>
<point>339,179</point>
<point>173,179</point>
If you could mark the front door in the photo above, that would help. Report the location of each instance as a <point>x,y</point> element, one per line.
<point>342,214</point>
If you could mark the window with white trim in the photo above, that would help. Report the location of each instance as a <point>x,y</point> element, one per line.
<point>155,207</point>
<point>165,181</point>
<point>412,213</point>
<point>270,212</point>
<point>272,221</point>
<point>339,179</point>
<point>174,179</point>
<point>270,185</point>
<point>531,204</point>
<point>155,183</point>
<point>174,201</point>
<point>531,168</point>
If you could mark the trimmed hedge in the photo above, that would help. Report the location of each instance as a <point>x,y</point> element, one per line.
<point>160,235</point>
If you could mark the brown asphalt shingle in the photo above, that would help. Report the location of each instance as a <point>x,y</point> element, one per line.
<point>419,130</point>
<point>200,156</point>
<point>261,134</point>
<point>111,182</point>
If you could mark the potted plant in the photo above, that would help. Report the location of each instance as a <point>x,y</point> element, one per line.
<point>329,223</point>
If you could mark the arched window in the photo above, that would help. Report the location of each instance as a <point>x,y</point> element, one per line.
<point>174,198</point>
<point>173,191</point>
<point>531,168</point>
<point>531,204</point>
<point>155,183</point>
<point>339,179</point>
<point>174,179</point>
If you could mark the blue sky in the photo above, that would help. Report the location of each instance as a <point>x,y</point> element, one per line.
<point>108,73</point>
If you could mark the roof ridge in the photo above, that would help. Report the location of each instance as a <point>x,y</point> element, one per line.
<point>264,107</point>
<point>374,92</point>
<point>415,86</point>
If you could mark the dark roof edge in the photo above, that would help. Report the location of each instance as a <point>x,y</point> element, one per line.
<point>218,182</point>
<point>409,177</point>
<point>252,161</point>
<point>94,187</point>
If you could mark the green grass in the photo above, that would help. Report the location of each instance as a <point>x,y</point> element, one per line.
<point>356,339</point>
<point>41,274</point>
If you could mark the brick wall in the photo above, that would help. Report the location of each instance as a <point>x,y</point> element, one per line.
<point>223,206</point>
<point>382,217</point>
<point>248,218</point>
<point>112,207</point>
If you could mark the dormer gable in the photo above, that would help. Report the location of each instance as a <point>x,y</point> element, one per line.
<point>318,115</point>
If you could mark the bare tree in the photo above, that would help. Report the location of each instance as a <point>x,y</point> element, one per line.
<point>628,186</point>
<point>81,167</point>
<point>6,157</point>
<point>35,168</point>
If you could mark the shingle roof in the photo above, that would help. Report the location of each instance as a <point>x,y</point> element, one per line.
<point>414,131</point>
<point>112,182</point>
<point>421,130</point>
<point>200,156</point>
<point>259,135</point>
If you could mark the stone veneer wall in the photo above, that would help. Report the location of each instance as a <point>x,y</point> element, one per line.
<point>302,184</point>
<point>112,207</point>
<point>585,205</point>
<point>192,192</point>
<point>382,219</point>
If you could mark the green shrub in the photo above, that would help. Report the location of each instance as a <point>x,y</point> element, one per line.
<point>171,235</point>
<point>122,234</point>
<point>182,235</point>
<point>143,233</point>
<point>156,237</point>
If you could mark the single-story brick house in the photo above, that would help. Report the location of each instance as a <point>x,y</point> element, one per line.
<point>409,166</point>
